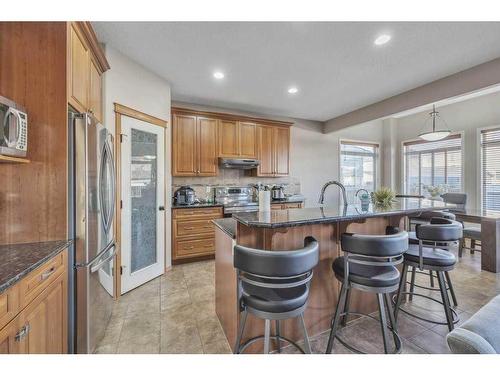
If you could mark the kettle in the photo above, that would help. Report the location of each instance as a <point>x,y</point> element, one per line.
<point>278,192</point>
<point>185,195</point>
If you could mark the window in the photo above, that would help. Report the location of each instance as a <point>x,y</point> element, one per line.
<point>490,169</point>
<point>358,167</point>
<point>433,164</point>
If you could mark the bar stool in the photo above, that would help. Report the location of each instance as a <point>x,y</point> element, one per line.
<point>474,235</point>
<point>369,265</point>
<point>274,285</point>
<point>412,236</point>
<point>432,254</point>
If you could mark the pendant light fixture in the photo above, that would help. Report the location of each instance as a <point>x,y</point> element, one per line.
<point>437,132</point>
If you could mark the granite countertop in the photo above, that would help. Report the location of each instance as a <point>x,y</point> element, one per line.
<point>196,205</point>
<point>335,213</point>
<point>228,225</point>
<point>17,260</point>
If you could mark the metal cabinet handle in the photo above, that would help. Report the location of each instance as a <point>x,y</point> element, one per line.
<point>188,228</point>
<point>23,332</point>
<point>161,208</point>
<point>46,274</point>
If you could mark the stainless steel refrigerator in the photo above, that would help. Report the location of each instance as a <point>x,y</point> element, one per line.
<point>92,210</point>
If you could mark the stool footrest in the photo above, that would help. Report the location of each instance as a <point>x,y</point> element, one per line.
<point>397,338</point>
<point>454,313</point>
<point>261,337</point>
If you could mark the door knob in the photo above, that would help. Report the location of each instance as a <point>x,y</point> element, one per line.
<point>161,208</point>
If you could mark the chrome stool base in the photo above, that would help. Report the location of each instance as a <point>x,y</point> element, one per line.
<point>274,337</point>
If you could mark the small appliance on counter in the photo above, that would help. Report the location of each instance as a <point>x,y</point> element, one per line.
<point>278,192</point>
<point>185,196</point>
<point>13,129</point>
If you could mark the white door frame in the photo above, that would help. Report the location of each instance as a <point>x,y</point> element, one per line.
<point>132,280</point>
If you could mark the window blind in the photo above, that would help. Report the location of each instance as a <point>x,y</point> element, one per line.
<point>433,164</point>
<point>358,167</point>
<point>490,169</point>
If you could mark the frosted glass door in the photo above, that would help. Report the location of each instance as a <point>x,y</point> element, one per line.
<point>143,200</point>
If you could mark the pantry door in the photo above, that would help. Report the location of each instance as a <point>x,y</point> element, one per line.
<point>143,202</point>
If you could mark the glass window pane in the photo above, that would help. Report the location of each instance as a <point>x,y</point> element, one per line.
<point>143,187</point>
<point>357,168</point>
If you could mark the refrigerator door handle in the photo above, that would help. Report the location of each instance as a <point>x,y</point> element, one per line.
<point>107,159</point>
<point>99,265</point>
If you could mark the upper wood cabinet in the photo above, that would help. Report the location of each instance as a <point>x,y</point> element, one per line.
<point>194,147</point>
<point>207,146</point>
<point>79,70</point>
<point>86,64</point>
<point>237,139</point>
<point>248,139</point>
<point>199,138</point>
<point>95,91</point>
<point>273,151</point>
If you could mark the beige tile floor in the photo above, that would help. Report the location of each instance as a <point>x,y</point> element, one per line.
<point>175,313</point>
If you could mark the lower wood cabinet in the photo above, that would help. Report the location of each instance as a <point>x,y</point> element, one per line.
<point>40,326</point>
<point>285,206</point>
<point>193,233</point>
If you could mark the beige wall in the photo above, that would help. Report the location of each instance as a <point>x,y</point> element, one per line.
<point>130,84</point>
<point>465,117</point>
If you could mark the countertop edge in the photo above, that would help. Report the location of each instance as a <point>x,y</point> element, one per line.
<point>59,248</point>
<point>336,219</point>
<point>224,228</point>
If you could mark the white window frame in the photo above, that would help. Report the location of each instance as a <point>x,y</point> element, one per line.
<point>479,156</point>
<point>403,160</point>
<point>377,159</point>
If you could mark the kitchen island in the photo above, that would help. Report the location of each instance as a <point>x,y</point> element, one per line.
<point>286,230</point>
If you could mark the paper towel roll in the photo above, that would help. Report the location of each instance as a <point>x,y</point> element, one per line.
<point>264,201</point>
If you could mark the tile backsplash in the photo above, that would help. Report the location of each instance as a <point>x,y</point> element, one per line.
<point>233,177</point>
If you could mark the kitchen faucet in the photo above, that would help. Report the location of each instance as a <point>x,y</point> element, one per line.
<point>342,188</point>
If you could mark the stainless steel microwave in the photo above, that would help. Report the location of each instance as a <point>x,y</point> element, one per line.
<point>13,129</point>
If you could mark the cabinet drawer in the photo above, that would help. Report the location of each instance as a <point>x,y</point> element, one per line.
<point>194,248</point>
<point>9,305</point>
<point>193,227</point>
<point>209,212</point>
<point>292,205</point>
<point>40,278</point>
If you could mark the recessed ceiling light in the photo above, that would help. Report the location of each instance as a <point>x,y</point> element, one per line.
<point>218,75</point>
<point>382,39</point>
<point>293,90</point>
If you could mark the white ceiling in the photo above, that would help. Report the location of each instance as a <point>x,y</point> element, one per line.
<point>335,65</point>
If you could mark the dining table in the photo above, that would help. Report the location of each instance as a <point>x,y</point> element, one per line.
<point>490,234</point>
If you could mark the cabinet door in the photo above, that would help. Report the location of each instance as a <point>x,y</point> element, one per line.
<point>265,151</point>
<point>45,319</point>
<point>95,91</point>
<point>248,139</point>
<point>79,71</point>
<point>184,147</point>
<point>228,138</point>
<point>10,342</point>
<point>207,147</point>
<point>281,138</point>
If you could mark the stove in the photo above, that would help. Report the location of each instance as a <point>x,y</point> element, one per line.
<point>235,199</point>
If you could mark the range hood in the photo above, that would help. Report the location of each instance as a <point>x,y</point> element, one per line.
<point>231,163</point>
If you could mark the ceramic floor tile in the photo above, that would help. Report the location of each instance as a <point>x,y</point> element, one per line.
<point>431,342</point>
<point>143,344</point>
<point>175,313</point>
